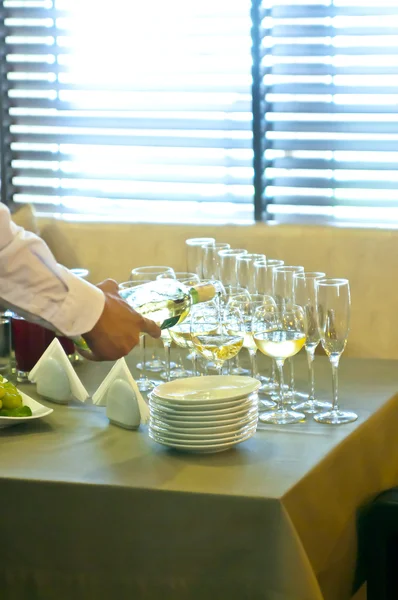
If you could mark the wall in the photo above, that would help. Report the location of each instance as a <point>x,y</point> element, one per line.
<point>367,257</point>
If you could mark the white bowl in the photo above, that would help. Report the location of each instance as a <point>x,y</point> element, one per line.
<point>208,389</point>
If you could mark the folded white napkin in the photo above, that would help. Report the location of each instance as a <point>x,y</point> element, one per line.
<point>121,371</point>
<point>62,369</point>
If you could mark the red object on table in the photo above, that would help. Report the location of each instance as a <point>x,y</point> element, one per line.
<point>30,340</point>
<point>67,345</point>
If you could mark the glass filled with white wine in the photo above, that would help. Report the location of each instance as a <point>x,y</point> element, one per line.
<point>279,332</point>
<point>217,334</point>
<point>176,370</point>
<point>334,305</point>
<point>144,383</point>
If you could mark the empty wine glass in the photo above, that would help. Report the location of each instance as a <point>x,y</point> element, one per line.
<point>217,335</point>
<point>143,382</point>
<point>305,296</point>
<point>283,283</point>
<point>246,270</point>
<point>151,273</point>
<point>228,266</point>
<point>211,259</point>
<point>334,305</point>
<point>264,273</point>
<point>279,332</point>
<point>194,253</point>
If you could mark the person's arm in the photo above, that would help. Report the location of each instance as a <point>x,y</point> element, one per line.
<point>35,286</point>
<point>33,282</point>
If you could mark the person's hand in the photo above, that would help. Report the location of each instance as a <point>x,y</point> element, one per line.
<point>118,329</point>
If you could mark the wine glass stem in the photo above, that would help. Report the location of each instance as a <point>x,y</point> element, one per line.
<point>253,364</point>
<point>281,402</point>
<point>194,362</point>
<point>335,382</point>
<point>311,375</point>
<point>291,365</point>
<point>166,346</point>
<point>218,366</point>
<point>143,357</point>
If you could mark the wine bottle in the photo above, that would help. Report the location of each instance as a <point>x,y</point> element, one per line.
<point>167,301</point>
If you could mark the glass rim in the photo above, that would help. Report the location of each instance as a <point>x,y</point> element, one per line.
<point>290,269</point>
<point>275,263</point>
<point>233,252</point>
<point>332,282</point>
<point>132,283</point>
<point>310,275</point>
<point>200,241</point>
<point>249,257</point>
<point>152,269</point>
<point>220,245</point>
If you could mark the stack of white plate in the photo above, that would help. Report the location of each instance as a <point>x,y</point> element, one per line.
<point>204,414</point>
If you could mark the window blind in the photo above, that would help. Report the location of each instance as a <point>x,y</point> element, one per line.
<point>109,105</point>
<point>329,101</point>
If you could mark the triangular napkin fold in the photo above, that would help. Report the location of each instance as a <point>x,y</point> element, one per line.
<point>121,371</point>
<point>57,353</point>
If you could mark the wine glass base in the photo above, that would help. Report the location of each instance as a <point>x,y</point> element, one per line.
<point>180,373</point>
<point>336,417</point>
<point>281,417</point>
<point>155,365</point>
<point>312,407</point>
<point>146,385</point>
<point>240,371</point>
<point>264,404</point>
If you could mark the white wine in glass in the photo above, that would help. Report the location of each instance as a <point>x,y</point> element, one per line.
<point>279,332</point>
<point>217,335</point>
<point>334,305</point>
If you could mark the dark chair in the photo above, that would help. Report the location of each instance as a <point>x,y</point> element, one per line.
<point>380,546</point>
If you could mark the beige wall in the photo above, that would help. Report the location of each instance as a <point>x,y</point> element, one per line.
<point>369,258</point>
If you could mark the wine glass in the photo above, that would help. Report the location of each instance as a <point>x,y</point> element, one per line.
<point>264,284</point>
<point>211,259</point>
<point>217,334</point>
<point>228,266</point>
<point>194,253</point>
<point>305,296</point>
<point>264,273</point>
<point>279,332</point>
<point>232,292</point>
<point>143,382</point>
<point>283,284</point>
<point>334,303</point>
<point>177,370</point>
<point>152,273</point>
<point>246,271</point>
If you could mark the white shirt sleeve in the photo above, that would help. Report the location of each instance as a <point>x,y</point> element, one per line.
<point>32,283</point>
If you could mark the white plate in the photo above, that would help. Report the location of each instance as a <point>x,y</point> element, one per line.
<point>207,433</point>
<point>38,411</point>
<point>203,438</point>
<point>211,388</point>
<point>210,427</point>
<point>206,449</point>
<point>202,408</point>
<point>217,416</point>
